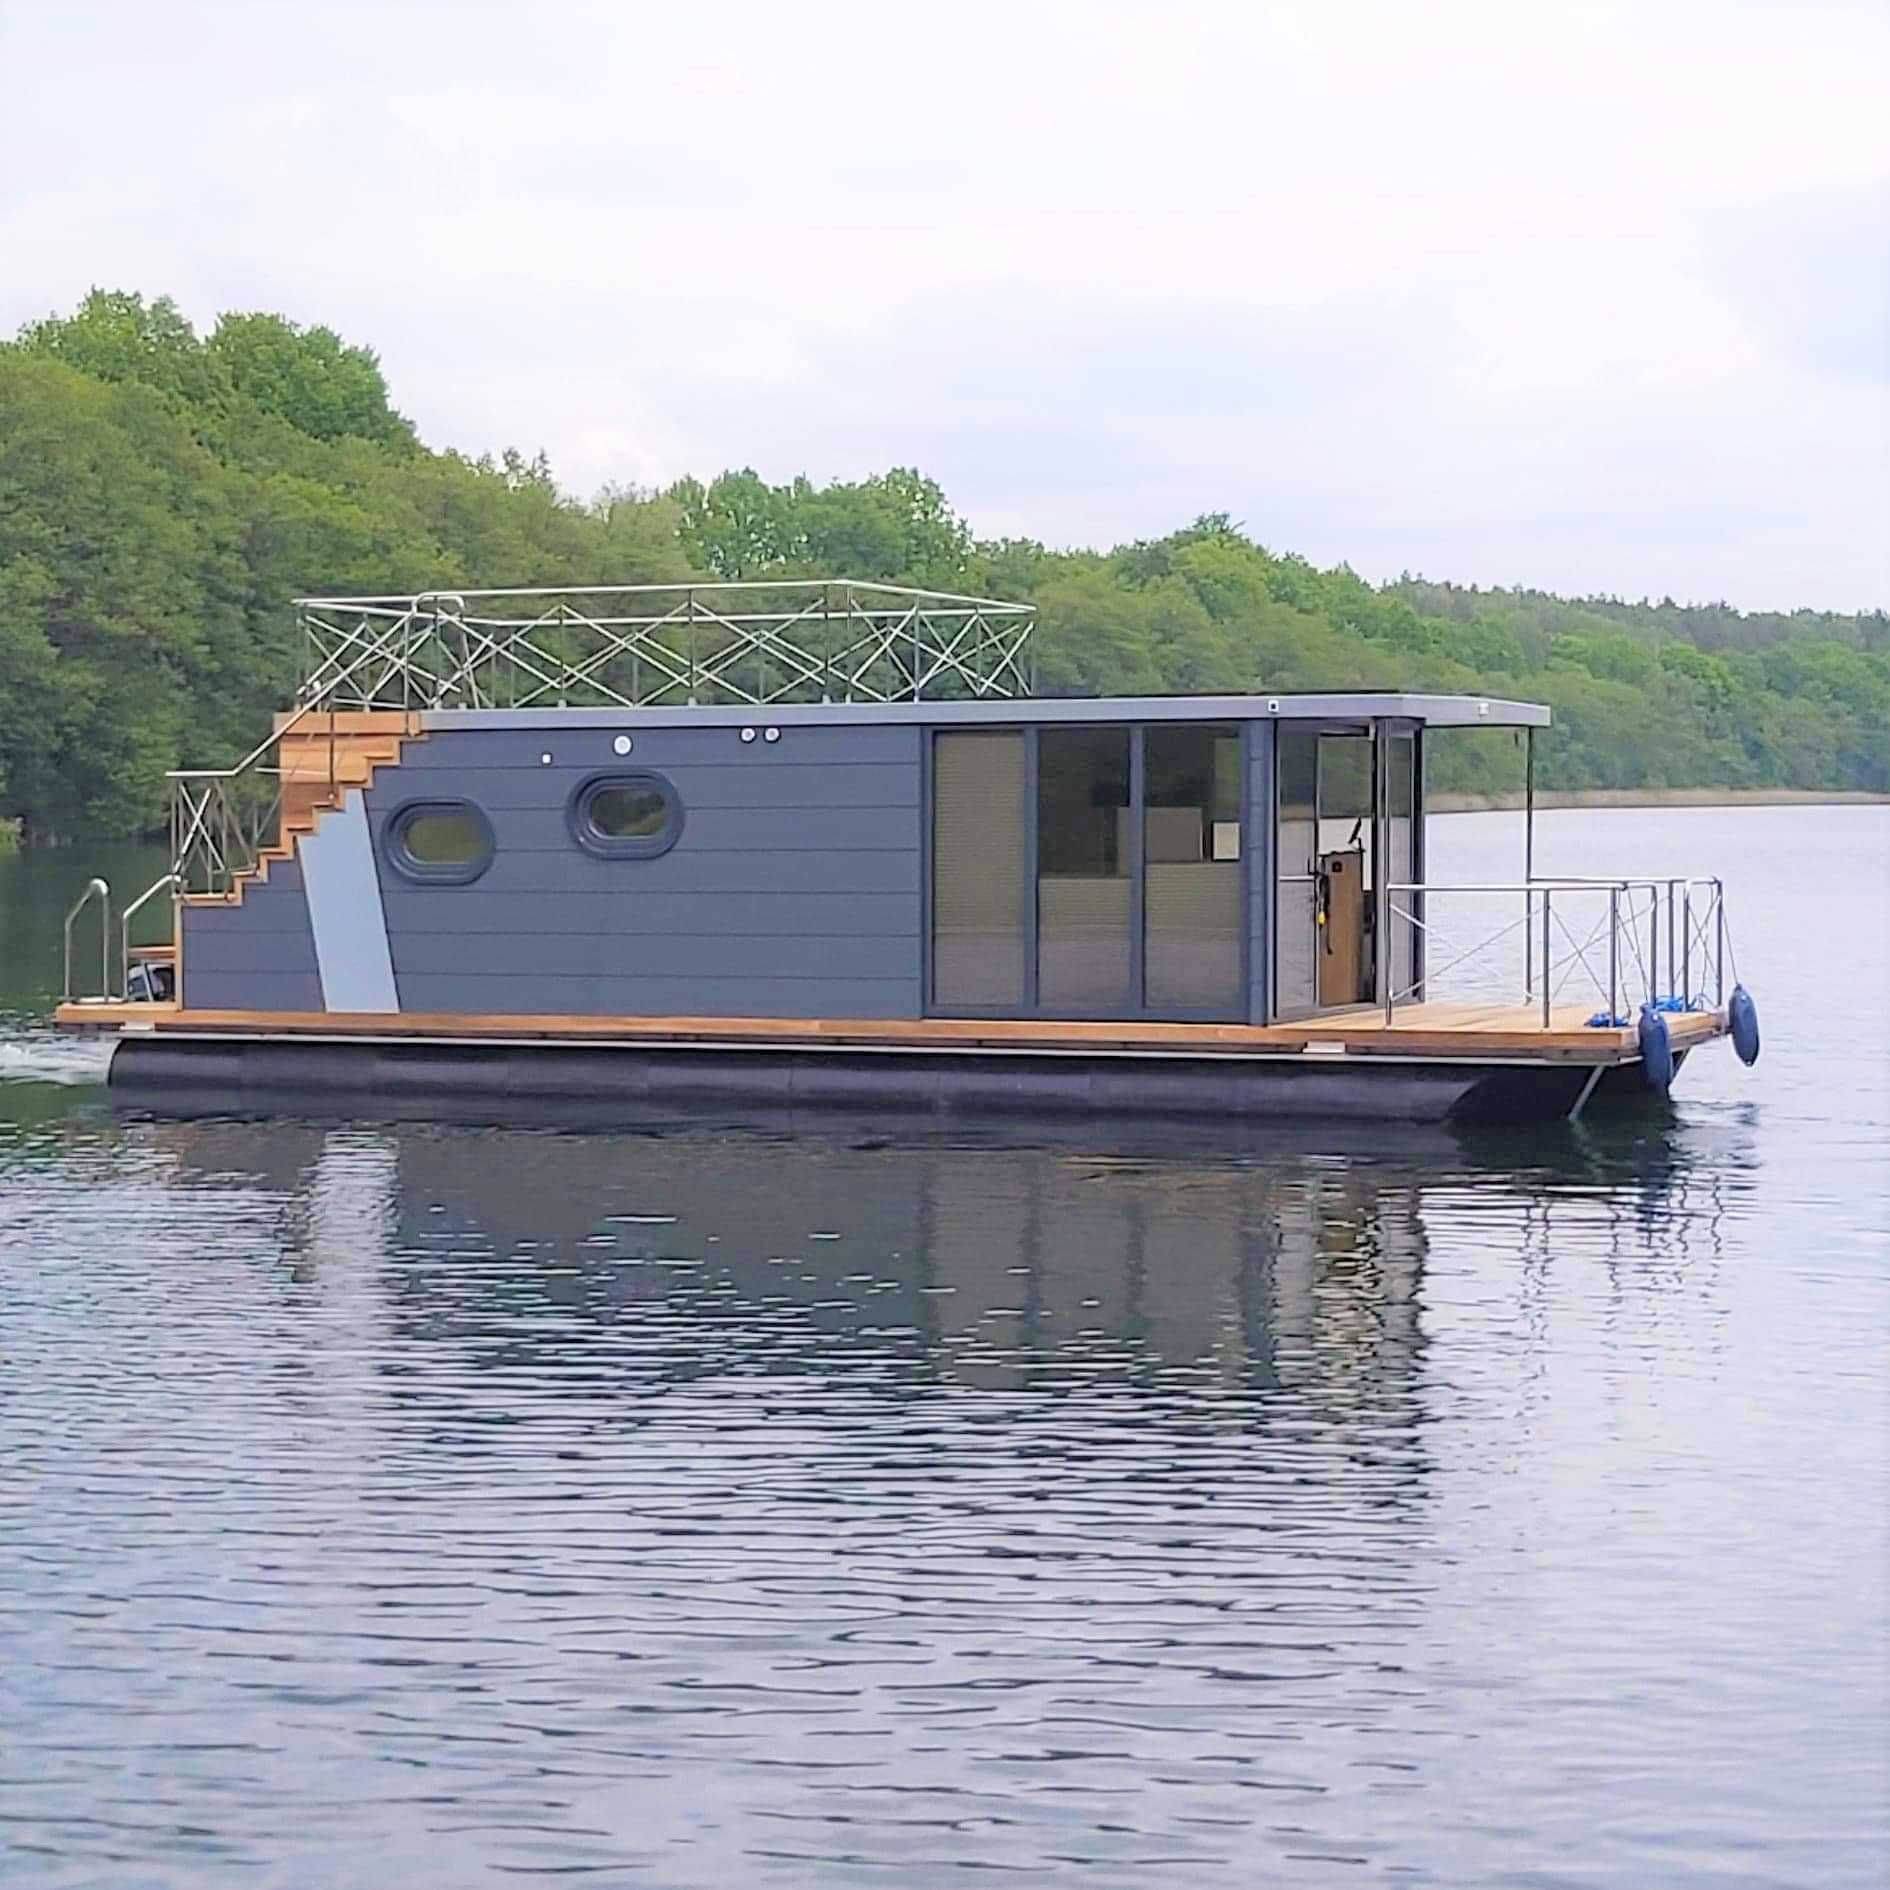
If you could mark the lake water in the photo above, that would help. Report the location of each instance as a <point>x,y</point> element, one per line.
<point>833,1504</point>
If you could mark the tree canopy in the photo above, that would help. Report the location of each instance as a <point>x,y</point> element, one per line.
<point>164,494</point>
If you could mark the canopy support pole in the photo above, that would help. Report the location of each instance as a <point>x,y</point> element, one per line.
<point>1529,861</point>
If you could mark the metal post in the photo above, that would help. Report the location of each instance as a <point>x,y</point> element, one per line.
<point>1547,896</point>
<point>849,631</point>
<point>1670,950</point>
<point>1719,943</point>
<point>1653,942</point>
<point>1387,971</point>
<point>1686,942</point>
<point>1529,849</point>
<point>692,649</point>
<point>1614,952</point>
<point>826,643</point>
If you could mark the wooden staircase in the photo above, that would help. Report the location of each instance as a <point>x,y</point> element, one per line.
<point>320,758</point>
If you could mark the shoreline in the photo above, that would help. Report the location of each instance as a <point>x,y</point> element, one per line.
<point>1512,799</point>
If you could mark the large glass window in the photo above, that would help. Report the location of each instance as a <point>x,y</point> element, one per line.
<point>1191,844</point>
<point>980,888</point>
<point>1091,872</point>
<point>1085,851</point>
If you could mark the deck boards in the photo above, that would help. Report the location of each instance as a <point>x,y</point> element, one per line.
<point>1426,1031</point>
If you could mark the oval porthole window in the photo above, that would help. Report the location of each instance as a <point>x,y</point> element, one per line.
<point>442,842</point>
<point>631,816</point>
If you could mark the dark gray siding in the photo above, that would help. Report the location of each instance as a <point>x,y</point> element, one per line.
<point>794,890</point>
<point>1259,840</point>
<point>259,955</point>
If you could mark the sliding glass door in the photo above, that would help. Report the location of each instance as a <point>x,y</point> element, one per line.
<point>1348,835</point>
<point>1193,916</point>
<point>1086,860</point>
<point>1089,872</point>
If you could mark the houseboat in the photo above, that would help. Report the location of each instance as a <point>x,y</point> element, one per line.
<point>825,843</point>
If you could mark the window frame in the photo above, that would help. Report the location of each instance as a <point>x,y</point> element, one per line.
<point>604,846</point>
<point>399,856</point>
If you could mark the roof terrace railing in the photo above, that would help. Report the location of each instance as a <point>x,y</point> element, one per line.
<point>654,645</point>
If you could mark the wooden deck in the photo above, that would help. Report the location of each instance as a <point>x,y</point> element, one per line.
<point>1457,1032</point>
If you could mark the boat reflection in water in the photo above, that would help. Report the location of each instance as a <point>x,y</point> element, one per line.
<point>797,1241</point>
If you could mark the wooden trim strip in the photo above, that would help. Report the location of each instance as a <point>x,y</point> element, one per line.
<point>1483,1037</point>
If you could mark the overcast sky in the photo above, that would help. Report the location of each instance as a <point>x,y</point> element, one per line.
<point>1589,296</point>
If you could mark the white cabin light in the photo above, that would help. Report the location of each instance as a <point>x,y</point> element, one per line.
<point>748,734</point>
<point>621,745</point>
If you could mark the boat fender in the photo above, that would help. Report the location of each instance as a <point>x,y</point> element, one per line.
<point>1742,1018</point>
<point>1656,1050</point>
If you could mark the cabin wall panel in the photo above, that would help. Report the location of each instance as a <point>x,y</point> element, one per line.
<point>228,943</point>
<point>441,910</point>
<point>528,954</point>
<point>492,994</point>
<point>251,990</point>
<point>257,953</point>
<point>795,888</point>
<point>763,826</point>
<point>264,908</point>
<point>549,877</point>
<point>588,747</point>
<point>724,785</point>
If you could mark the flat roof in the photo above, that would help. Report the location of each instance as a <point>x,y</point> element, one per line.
<point>1013,711</point>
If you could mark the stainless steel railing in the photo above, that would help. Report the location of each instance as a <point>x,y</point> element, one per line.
<point>164,882</point>
<point>638,645</point>
<point>223,819</point>
<point>94,889</point>
<point>1568,928</point>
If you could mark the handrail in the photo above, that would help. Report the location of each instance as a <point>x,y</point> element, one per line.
<point>1643,916</point>
<point>94,889</point>
<point>158,885</point>
<point>786,586</point>
<point>218,831</point>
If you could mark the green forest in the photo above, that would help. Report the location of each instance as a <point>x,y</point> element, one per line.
<point>163,493</point>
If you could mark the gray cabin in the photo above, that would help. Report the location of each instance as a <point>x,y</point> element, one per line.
<point>1209,859</point>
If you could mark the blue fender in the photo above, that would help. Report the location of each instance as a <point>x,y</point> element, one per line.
<point>1742,1018</point>
<point>1656,1050</point>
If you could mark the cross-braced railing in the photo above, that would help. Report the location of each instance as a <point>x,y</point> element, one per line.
<point>644,645</point>
<point>1552,943</point>
<point>224,819</point>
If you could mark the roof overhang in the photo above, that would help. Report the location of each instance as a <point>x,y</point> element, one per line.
<point>1031,711</point>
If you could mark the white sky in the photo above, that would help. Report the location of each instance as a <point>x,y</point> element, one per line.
<point>1592,296</point>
